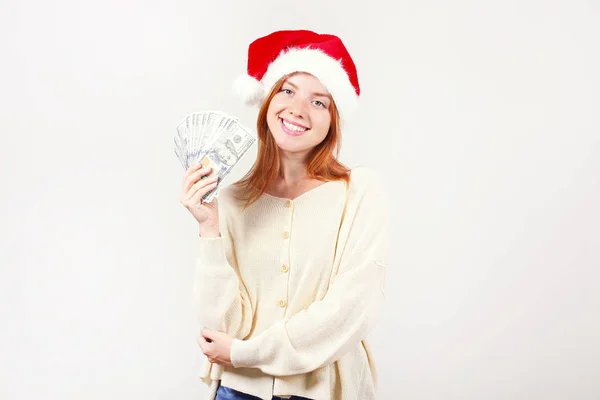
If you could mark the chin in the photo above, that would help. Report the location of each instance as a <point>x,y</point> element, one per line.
<point>287,145</point>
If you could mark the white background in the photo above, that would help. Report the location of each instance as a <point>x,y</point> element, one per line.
<point>483,117</point>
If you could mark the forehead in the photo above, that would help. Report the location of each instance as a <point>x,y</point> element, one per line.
<point>308,82</point>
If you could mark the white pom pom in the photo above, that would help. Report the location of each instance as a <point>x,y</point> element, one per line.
<point>249,89</point>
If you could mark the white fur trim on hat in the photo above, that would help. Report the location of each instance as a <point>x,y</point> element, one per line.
<point>249,89</point>
<point>313,61</point>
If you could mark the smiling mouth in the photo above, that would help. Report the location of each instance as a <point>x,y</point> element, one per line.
<point>292,129</point>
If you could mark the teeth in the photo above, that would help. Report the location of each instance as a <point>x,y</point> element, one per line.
<point>292,127</point>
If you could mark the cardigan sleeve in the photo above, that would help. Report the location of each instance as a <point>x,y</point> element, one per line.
<point>322,333</point>
<point>222,300</point>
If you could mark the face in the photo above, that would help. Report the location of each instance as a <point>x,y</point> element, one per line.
<point>298,115</point>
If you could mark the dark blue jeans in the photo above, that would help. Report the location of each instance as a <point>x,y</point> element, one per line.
<point>225,393</point>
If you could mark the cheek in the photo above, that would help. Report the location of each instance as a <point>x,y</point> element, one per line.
<point>277,104</point>
<point>273,111</point>
<point>322,123</point>
<point>272,121</point>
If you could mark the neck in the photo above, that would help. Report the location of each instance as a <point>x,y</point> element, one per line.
<point>293,168</point>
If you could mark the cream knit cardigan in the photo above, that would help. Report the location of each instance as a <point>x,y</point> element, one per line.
<point>298,284</point>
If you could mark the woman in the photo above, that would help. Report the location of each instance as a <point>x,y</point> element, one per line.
<point>290,272</point>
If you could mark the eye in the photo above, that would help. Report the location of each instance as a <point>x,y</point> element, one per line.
<point>286,91</point>
<point>319,103</point>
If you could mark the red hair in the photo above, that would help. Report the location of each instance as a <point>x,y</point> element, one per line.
<point>322,165</point>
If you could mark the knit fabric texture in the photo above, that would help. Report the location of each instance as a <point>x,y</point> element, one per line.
<point>299,284</point>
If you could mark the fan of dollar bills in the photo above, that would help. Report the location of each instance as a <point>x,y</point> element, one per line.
<point>215,139</point>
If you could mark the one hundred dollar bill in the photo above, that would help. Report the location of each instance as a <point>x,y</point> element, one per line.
<point>230,143</point>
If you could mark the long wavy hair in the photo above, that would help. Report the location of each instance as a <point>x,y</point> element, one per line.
<point>322,162</point>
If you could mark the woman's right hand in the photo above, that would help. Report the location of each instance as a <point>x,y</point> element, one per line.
<point>194,188</point>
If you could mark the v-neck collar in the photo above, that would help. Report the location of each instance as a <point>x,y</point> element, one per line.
<point>303,195</point>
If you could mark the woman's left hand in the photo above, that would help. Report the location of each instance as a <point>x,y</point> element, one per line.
<point>216,346</point>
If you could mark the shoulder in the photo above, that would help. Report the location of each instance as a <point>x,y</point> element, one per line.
<point>363,172</point>
<point>367,191</point>
<point>368,203</point>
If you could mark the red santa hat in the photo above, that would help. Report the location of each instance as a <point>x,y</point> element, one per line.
<point>284,52</point>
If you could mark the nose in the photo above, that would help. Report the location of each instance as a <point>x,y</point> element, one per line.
<point>297,107</point>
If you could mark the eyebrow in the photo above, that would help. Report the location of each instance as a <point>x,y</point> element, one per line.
<point>314,93</point>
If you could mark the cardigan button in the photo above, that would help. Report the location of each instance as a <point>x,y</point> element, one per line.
<point>286,234</point>
<point>284,268</point>
<point>282,303</point>
<point>288,203</point>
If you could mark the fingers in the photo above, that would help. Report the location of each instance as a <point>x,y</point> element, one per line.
<point>204,344</point>
<point>197,193</point>
<point>206,333</point>
<point>191,170</point>
<point>193,175</point>
<point>206,348</point>
<point>196,185</point>
<point>201,184</point>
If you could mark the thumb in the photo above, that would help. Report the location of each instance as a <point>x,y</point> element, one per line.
<point>208,333</point>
